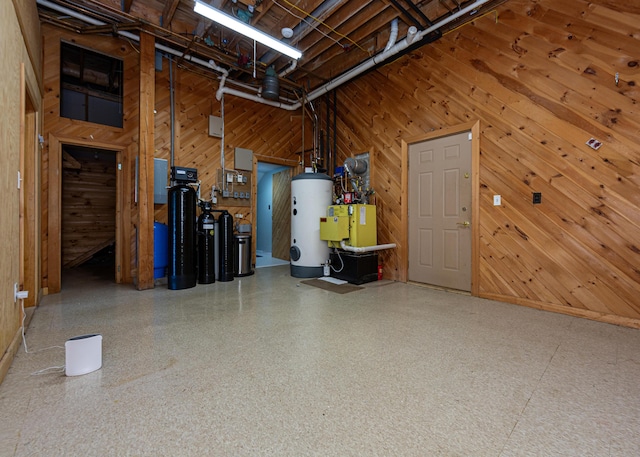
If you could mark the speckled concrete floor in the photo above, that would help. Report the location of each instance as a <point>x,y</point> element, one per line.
<point>266,366</point>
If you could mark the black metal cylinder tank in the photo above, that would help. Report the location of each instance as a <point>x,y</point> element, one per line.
<point>181,273</point>
<point>225,240</point>
<point>206,245</point>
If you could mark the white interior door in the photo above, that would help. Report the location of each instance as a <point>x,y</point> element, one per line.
<point>440,212</point>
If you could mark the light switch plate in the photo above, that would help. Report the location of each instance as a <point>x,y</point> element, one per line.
<point>497,200</point>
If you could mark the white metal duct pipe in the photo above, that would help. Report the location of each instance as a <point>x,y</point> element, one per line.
<point>255,98</point>
<point>377,247</point>
<point>348,76</point>
<point>393,36</point>
<point>69,12</point>
<point>125,34</point>
<point>401,46</point>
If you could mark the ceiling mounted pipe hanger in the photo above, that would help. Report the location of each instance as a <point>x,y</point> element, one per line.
<point>366,65</point>
<point>406,13</point>
<point>418,11</point>
<point>327,87</point>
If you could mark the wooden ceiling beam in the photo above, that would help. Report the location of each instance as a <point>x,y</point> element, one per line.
<point>168,12</point>
<point>126,5</point>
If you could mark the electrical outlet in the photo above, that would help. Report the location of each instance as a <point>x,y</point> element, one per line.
<point>537,198</point>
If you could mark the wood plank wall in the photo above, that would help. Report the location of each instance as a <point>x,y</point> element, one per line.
<point>540,76</point>
<point>21,94</point>
<point>88,205</point>
<point>269,132</point>
<point>59,130</point>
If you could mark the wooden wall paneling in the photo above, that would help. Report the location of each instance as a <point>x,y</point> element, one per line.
<point>89,201</point>
<point>27,15</point>
<point>53,240</point>
<point>29,208</point>
<point>60,130</point>
<point>145,162</point>
<point>541,82</point>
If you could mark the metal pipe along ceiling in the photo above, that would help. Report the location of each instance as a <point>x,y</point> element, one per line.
<point>327,87</point>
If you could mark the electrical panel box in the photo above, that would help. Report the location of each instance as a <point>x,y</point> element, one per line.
<point>232,191</point>
<point>160,173</point>
<point>243,159</point>
<point>215,126</point>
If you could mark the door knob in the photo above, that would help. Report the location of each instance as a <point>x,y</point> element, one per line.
<point>464,224</point>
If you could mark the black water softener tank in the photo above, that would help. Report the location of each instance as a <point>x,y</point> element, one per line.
<point>225,240</point>
<point>206,245</point>
<point>181,273</point>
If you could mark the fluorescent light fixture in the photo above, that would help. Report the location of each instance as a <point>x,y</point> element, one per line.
<point>245,29</point>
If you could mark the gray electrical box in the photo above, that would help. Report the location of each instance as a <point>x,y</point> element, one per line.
<point>215,126</point>
<point>243,159</point>
<point>160,167</point>
<point>160,170</point>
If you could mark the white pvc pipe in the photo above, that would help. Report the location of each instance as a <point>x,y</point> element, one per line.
<point>411,34</point>
<point>344,78</point>
<point>393,36</point>
<point>255,98</point>
<point>379,58</point>
<point>289,69</point>
<point>377,247</point>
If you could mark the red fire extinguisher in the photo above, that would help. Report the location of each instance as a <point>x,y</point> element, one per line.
<point>379,272</point>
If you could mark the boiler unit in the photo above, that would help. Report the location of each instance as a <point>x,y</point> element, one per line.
<point>351,227</point>
<point>354,223</point>
<point>311,193</point>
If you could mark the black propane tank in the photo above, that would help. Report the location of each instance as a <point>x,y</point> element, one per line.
<point>206,245</point>
<point>225,240</point>
<point>181,272</point>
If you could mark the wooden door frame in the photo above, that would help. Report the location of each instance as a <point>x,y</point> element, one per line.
<point>54,220</point>
<point>474,127</point>
<point>29,208</point>
<point>295,167</point>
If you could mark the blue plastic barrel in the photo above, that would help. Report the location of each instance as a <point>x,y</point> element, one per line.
<point>160,249</point>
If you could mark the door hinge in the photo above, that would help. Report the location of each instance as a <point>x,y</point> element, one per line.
<point>19,179</point>
<point>470,136</point>
<point>119,166</point>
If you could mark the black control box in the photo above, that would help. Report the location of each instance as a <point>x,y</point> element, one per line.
<point>184,175</point>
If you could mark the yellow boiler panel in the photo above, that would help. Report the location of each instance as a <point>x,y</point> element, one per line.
<point>334,228</point>
<point>362,225</point>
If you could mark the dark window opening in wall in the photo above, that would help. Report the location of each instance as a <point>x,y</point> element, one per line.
<point>90,86</point>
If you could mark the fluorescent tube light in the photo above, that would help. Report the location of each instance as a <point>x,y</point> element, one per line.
<point>245,29</point>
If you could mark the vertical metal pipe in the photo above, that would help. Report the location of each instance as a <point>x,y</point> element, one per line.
<point>172,110</point>
<point>222,165</point>
<point>335,129</point>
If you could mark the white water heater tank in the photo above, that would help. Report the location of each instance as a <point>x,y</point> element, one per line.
<point>311,194</point>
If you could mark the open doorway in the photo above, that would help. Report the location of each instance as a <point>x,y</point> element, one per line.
<point>88,212</point>
<point>273,220</point>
